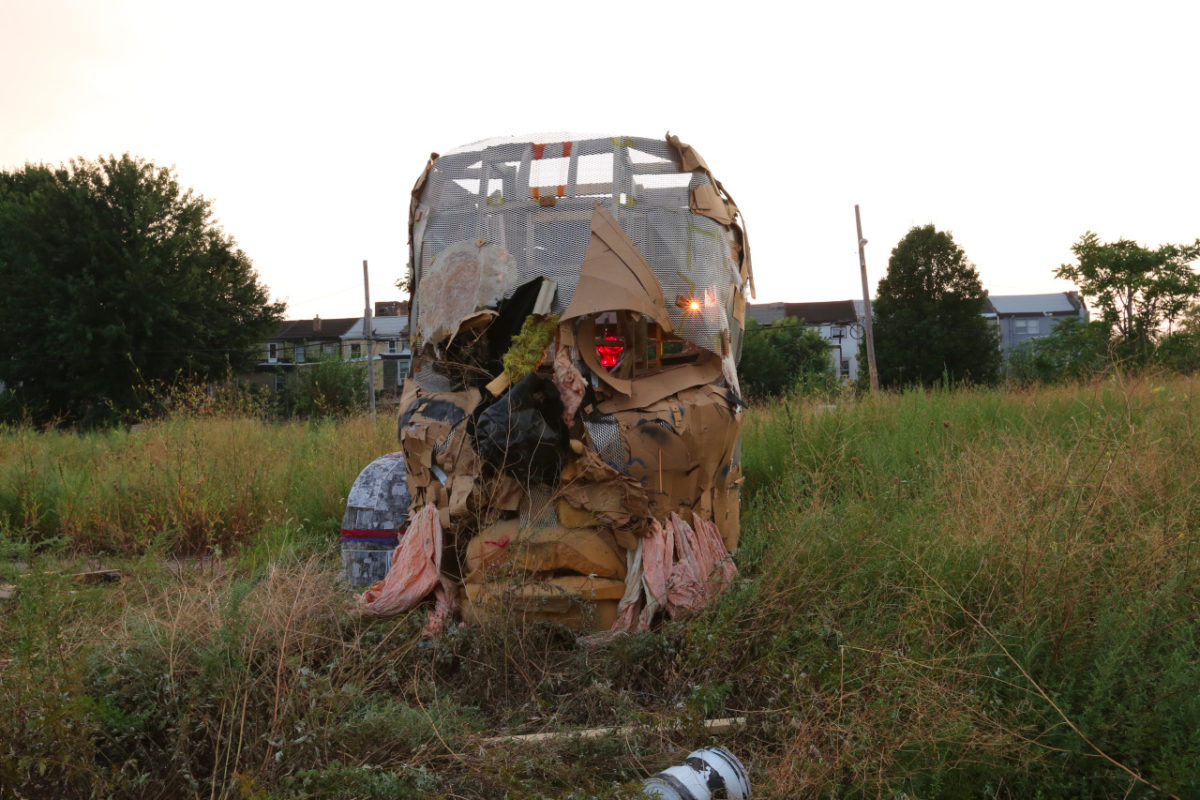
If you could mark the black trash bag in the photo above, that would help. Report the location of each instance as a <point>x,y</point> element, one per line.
<point>523,432</point>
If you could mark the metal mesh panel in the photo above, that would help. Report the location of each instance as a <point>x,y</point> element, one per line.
<point>606,438</point>
<point>537,508</point>
<point>488,190</point>
<point>430,381</point>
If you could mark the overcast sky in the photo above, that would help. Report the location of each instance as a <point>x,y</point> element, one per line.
<point>1015,126</point>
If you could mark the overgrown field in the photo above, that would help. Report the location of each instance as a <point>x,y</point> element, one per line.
<point>959,594</point>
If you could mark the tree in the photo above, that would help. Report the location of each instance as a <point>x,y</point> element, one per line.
<point>928,315</point>
<point>1136,290</point>
<point>776,357</point>
<point>116,279</point>
<point>1075,350</point>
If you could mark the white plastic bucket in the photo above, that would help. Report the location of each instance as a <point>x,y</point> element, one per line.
<point>711,773</point>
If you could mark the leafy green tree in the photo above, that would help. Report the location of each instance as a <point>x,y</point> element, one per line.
<point>777,357</point>
<point>1075,350</point>
<point>927,315</point>
<point>116,279</point>
<point>1136,290</point>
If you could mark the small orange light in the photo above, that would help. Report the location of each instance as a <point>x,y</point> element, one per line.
<point>693,305</point>
<point>689,304</point>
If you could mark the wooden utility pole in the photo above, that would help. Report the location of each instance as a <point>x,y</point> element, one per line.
<point>862,263</point>
<point>369,335</point>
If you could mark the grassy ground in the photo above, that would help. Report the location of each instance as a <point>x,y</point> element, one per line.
<point>970,594</point>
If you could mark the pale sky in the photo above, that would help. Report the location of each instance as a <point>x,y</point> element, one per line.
<point>1015,126</point>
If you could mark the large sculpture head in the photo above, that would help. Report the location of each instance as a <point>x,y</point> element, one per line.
<point>577,314</point>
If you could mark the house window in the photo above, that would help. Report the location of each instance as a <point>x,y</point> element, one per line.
<point>391,347</point>
<point>329,349</point>
<point>1027,328</point>
<point>299,354</point>
<point>272,352</point>
<point>356,350</point>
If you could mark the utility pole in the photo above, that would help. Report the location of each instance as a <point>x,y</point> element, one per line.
<point>369,335</point>
<point>862,263</point>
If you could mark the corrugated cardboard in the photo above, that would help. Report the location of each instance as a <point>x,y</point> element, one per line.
<point>588,484</point>
<point>443,467</point>
<point>681,450</point>
<point>505,547</point>
<point>577,601</point>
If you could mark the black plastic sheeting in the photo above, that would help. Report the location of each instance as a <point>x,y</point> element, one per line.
<point>523,432</point>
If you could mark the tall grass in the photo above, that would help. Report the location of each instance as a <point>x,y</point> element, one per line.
<point>186,485</point>
<point>1000,588</point>
<point>942,595</point>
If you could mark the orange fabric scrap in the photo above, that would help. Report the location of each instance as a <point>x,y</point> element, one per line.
<point>415,573</point>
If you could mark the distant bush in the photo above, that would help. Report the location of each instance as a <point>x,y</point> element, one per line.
<point>329,388</point>
<point>1076,349</point>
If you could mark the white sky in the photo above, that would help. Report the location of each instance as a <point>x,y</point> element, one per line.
<point>1016,126</point>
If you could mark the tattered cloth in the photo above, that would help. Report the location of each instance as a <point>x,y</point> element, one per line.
<point>414,574</point>
<point>677,568</point>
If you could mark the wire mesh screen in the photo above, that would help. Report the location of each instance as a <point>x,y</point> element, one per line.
<point>535,198</point>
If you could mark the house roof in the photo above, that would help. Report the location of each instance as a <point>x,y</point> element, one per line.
<point>765,313</point>
<point>838,312</point>
<point>385,327</point>
<point>1056,303</point>
<point>308,328</point>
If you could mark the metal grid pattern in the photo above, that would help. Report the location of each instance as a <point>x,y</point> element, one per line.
<point>606,438</point>
<point>535,199</point>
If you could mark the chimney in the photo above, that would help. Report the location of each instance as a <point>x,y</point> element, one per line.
<point>317,324</point>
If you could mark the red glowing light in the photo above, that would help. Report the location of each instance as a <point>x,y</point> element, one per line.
<point>609,349</point>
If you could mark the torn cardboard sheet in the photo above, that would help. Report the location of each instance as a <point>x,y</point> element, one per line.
<point>682,451</point>
<point>616,499</point>
<point>615,275</point>
<point>443,467</point>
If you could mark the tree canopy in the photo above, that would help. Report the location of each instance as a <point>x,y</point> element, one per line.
<point>777,357</point>
<point>927,315</point>
<point>115,278</point>
<point>1136,290</point>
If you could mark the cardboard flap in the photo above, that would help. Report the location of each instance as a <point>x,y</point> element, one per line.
<point>706,201</point>
<point>652,388</point>
<point>688,157</point>
<point>614,497</point>
<point>615,276</point>
<point>418,187</point>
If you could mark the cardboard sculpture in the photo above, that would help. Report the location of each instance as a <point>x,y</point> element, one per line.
<point>573,492</point>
